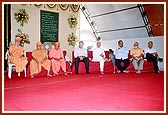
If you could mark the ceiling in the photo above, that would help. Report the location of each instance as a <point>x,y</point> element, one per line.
<point>118,24</point>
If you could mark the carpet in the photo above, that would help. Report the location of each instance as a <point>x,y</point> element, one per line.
<point>85,92</point>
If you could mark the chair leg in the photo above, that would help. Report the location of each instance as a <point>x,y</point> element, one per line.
<point>25,71</point>
<point>9,71</point>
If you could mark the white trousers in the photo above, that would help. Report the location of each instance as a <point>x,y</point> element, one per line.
<point>101,62</point>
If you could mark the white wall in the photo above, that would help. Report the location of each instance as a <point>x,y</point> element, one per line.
<point>86,33</point>
<point>143,43</point>
<point>83,32</point>
<point>32,28</point>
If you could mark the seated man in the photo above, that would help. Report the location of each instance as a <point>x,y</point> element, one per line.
<point>122,56</point>
<point>99,56</point>
<point>67,58</point>
<point>137,54</point>
<point>57,59</point>
<point>152,56</point>
<point>112,58</point>
<point>39,59</point>
<point>7,52</point>
<point>16,55</point>
<point>80,55</point>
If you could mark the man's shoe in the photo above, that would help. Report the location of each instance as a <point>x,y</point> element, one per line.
<point>160,59</point>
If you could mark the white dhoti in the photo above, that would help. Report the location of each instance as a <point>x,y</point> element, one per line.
<point>97,57</point>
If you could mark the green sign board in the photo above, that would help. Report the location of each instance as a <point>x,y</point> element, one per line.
<point>49,26</point>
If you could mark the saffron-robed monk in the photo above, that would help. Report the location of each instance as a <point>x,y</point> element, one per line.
<point>16,55</point>
<point>40,59</point>
<point>57,59</point>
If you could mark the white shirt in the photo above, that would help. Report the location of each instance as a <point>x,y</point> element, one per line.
<point>96,54</point>
<point>121,53</point>
<point>148,50</point>
<point>80,52</point>
<point>67,59</point>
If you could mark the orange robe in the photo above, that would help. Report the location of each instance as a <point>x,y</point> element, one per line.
<point>57,64</point>
<point>39,55</point>
<point>17,58</point>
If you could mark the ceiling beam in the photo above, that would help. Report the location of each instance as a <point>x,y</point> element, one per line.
<point>121,29</point>
<point>107,13</point>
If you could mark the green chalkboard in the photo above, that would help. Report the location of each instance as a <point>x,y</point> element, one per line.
<point>49,26</point>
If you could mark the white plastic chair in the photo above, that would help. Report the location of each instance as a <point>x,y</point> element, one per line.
<point>10,65</point>
<point>10,70</point>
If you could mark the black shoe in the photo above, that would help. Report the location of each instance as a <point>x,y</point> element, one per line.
<point>87,72</point>
<point>160,59</point>
<point>76,72</point>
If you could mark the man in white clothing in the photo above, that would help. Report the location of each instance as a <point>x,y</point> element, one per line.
<point>152,56</point>
<point>67,58</point>
<point>81,55</point>
<point>99,56</point>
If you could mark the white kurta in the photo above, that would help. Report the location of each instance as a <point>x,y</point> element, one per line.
<point>148,50</point>
<point>67,59</point>
<point>97,52</point>
<point>80,52</point>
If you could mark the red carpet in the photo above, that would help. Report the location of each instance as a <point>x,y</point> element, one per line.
<point>93,92</point>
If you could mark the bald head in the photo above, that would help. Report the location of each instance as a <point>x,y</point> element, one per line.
<point>17,40</point>
<point>57,45</point>
<point>39,45</point>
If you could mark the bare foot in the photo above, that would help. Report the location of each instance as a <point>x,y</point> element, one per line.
<point>102,72</point>
<point>49,75</point>
<point>125,71</point>
<point>65,73</point>
<point>157,72</point>
<point>138,71</point>
<point>118,71</point>
<point>55,74</point>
